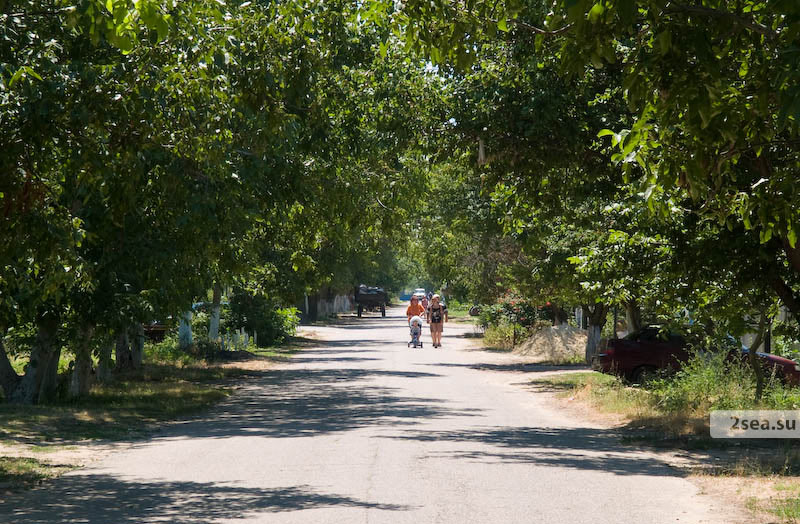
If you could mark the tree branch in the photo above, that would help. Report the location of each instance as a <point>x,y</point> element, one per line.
<point>725,15</point>
<point>786,295</point>
<point>540,31</point>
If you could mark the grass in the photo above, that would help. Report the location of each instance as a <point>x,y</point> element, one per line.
<point>21,472</point>
<point>783,502</point>
<point>787,508</point>
<point>646,421</point>
<point>121,410</point>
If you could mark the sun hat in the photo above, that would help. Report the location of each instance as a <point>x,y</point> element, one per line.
<point>436,296</point>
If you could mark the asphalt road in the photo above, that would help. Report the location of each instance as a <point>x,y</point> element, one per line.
<point>361,429</point>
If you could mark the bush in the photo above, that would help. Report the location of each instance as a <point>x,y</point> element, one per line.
<point>167,351</point>
<point>711,381</point>
<point>256,313</point>
<point>509,309</point>
<point>201,321</point>
<point>501,336</point>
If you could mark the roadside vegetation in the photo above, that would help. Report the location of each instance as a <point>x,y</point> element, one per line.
<point>677,406</point>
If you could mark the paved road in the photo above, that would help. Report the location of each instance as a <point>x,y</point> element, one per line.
<point>363,430</point>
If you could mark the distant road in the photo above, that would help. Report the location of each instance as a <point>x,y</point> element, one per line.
<point>361,429</point>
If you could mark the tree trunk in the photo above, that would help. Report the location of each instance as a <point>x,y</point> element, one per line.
<point>124,357</point>
<point>793,254</point>
<point>213,327</point>
<point>105,364</point>
<point>597,319</point>
<point>49,386</point>
<point>40,376</point>
<point>633,316</point>
<point>9,380</point>
<point>786,295</point>
<point>81,379</point>
<point>137,346</point>
<point>753,358</point>
<point>616,319</point>
<point>185,339</point>
<point>559,315</point>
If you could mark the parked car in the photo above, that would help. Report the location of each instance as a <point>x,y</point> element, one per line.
<point>655,349</point>
<point>786,369</point>
<point>419,293</point>
<point>641,353</point>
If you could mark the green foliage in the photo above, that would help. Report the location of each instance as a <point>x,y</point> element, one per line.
<point>167,351</point>
<point>510,309</point>
<point>257,313</point>
<point>711,381</point>
<point>502,335</point>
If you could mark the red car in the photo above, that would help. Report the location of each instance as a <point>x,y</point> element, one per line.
<point>642,353</point>
<point>786,369</point>
<point>653,349</point>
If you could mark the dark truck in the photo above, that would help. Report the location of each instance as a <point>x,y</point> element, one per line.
<point>371,299</point>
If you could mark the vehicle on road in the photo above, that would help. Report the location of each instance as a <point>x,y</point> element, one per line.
<point>371,298</point>
<point>419,293</point>
<point>654,349</point>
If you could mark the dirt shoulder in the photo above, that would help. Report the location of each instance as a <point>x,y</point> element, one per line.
<point>746,476</point>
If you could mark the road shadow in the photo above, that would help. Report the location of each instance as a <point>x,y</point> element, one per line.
<point>308,402</point>
<point>103,499</point>
<point>301,359</point>
<point>517,367</point>
<point>574,448</point>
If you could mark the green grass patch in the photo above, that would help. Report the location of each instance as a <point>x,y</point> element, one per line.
<point>19,473</point>
<point>785,505</point>
<point>609,394</point>
<point>574,381</point>
<point>788,510</point>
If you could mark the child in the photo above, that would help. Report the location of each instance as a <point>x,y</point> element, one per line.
<point>416,330</point>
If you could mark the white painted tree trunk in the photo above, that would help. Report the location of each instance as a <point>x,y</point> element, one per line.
<point>593,341</point>
<point>185,339</point>
<point>633,316</point>
<point>213,327</point>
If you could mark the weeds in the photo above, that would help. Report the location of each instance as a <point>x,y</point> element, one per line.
<point>17,472</point>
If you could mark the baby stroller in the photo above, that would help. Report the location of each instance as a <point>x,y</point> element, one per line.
<point>416,331</point>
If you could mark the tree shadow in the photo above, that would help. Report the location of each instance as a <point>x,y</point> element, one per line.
<point>575,448</point>
<point>301,359</point>
<point>306,402</point>
<point>104,499</point>
<point>516,367</point>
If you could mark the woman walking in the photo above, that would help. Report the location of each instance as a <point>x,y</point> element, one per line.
<point>437,316</point>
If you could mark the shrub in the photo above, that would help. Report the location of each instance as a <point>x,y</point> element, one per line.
<point>501,336</point>
<point>167,351</point>
<point>711,381</point>
<point>257,313</point>
<point>201,321</point>
<point>510,309</point>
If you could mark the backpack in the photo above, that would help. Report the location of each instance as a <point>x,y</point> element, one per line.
<point>436,314</point>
